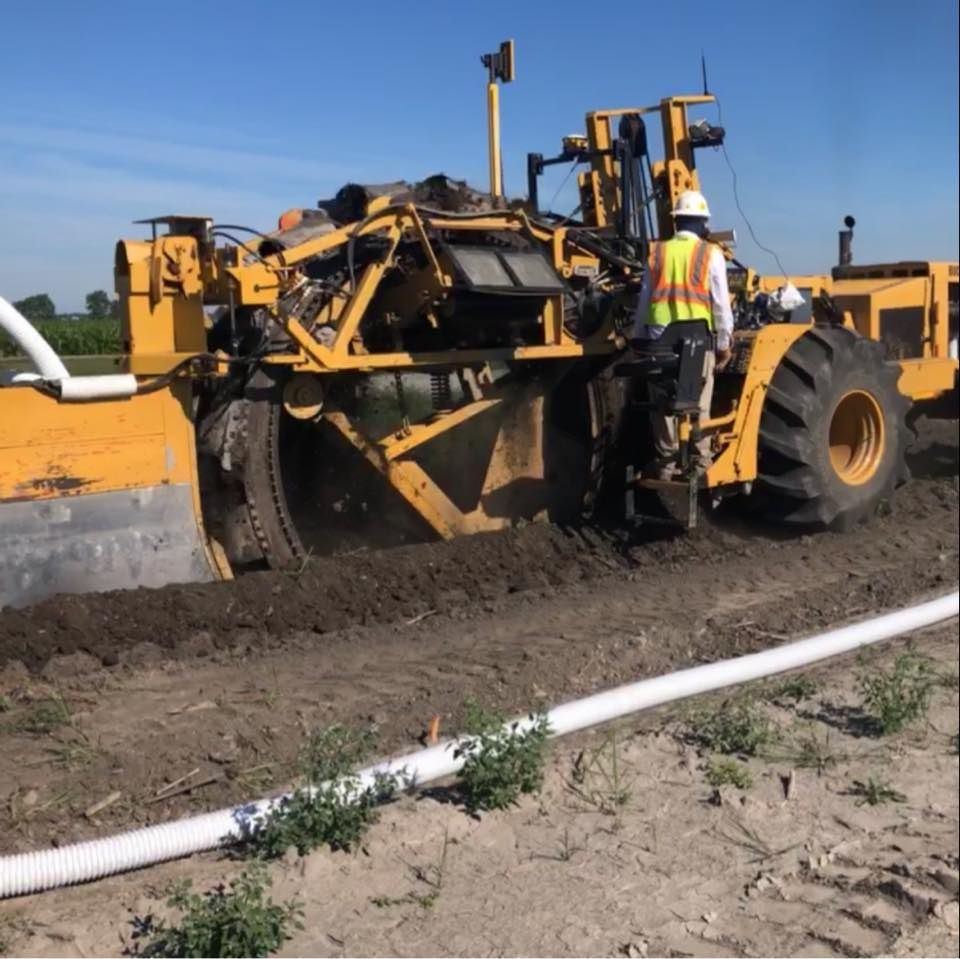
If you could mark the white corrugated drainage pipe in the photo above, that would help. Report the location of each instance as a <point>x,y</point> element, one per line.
<point>50,368</point>
<point>36,348</point>
<point>50,868</point>
<point>106,386</point>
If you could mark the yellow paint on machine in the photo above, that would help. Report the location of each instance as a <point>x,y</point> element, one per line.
<point>50,449</point>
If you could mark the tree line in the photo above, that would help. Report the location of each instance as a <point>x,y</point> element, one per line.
<point>40,307</point>
<point>95,332</point>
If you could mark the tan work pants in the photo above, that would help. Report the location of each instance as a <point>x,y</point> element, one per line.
<point>665,427</point>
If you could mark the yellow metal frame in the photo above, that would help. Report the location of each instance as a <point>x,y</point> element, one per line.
<point>862,292</point>
<point>164,285</point>
<point>56,451</point>
<point>676,172</point>
<point>737,432</point>
<point>411,481</point>
<point>262,281</point>
<point>501,66</point>
<point>493,135</point>
<point>51,450</point>
<point>390,457</point>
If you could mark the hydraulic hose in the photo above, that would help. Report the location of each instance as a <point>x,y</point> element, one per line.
<point>81,862</point>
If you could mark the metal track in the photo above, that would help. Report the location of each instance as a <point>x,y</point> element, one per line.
<point>266,502</point>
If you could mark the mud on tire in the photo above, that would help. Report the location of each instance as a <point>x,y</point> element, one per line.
<point>832,432</point>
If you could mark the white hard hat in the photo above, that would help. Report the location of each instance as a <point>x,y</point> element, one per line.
<point>691,203</point>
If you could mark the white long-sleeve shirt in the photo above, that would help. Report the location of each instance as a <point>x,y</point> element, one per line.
<point>719,302</point>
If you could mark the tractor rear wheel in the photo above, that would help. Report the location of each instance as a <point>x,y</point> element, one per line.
<point>832,433</point>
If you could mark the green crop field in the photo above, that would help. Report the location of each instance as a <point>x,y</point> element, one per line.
<point>82,337</point>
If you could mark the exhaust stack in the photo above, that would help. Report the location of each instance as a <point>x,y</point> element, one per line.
<point>846,241</point>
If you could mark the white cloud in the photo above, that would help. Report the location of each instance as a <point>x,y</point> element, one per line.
<point>196,159</point>
<point>67,195</point>
<point>51,180</point>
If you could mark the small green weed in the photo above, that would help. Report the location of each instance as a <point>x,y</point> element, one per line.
<point>500,763</point>
<point>334,751</point>
<point>795,688</point>
<point>875,792</point>
<point>894,699</point>
<point>74,754</point>
<point>330,807</point>
<point>239,921</point>
<point>41,717</point>
<point>424,901</point>
<point>599,779</point>
<point>723,772</point>
<point>735,726</point>
<point>432,876</point>
<point>808,751</point>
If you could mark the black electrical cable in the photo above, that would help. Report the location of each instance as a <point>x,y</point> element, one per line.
<point>167,378</point>
<point>570,215</point>
<point>736,197</point>
<point>355,232</point>
<point>649,195</point>
<point>563,183</point>
<point>596,245</point>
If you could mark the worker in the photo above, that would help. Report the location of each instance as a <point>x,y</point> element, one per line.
<point>686,280</point>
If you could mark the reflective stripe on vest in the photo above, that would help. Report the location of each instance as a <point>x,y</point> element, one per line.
<point>680,281</point>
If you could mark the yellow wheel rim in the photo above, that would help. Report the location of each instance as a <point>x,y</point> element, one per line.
<point>856,437</point>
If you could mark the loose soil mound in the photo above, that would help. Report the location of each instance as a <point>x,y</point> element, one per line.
<point>369,587</point>
<point>328,594</point>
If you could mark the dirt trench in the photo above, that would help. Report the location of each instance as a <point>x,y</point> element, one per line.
<point>259,610</point>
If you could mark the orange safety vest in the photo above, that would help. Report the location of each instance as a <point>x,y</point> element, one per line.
<point>679,277</point>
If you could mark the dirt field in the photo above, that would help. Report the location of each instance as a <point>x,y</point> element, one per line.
<point>127,693</point>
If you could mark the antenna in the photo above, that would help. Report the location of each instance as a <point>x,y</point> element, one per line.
<point>500,66</point>
<point>703,73</point>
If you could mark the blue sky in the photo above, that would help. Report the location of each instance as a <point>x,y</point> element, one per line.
<point>113,112</point>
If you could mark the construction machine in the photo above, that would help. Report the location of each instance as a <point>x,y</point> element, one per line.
<point>407,361</point>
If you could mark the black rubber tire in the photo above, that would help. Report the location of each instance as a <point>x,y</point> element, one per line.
<point>797,483</point>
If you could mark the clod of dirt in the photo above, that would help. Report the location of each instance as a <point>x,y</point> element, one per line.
<point>66,667</point>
